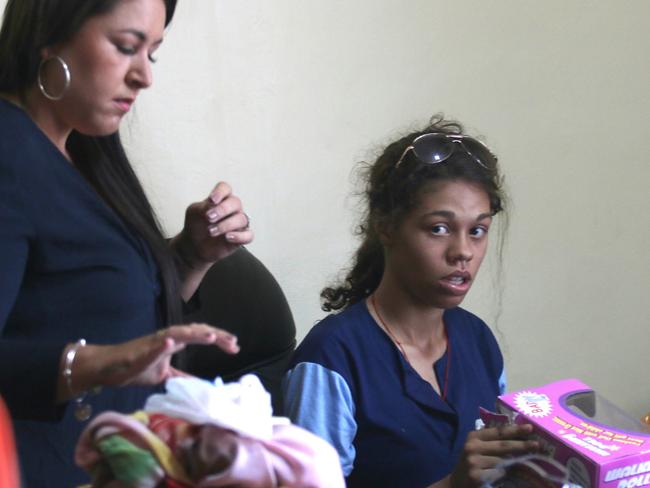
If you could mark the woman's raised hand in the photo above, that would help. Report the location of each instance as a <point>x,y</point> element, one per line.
<point>486,448</point>
<point>214,228</point>
<point>141,361</point>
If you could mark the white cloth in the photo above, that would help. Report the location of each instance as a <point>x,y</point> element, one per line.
<point>243,406</point>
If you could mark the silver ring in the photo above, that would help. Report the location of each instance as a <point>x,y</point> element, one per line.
<point>248,221</point>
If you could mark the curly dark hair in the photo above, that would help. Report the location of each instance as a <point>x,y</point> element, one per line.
<point>391,191</point>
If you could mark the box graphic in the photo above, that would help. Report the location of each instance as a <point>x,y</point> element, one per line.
<point>601,445</point>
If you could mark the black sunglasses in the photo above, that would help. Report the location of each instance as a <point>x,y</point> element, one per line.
<point>437,147</point>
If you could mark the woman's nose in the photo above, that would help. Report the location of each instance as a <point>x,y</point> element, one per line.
<point>140,75</point>
<point>460,250</point>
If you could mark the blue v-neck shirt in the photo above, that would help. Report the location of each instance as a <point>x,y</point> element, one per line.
<point>349,384</point>
<point>69,269</point>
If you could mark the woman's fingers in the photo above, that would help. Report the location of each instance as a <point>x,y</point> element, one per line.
<point>203,334</point>
<point>504,432</point>
<point>240,238</point>
<point>491,475</point>
<point>214,228</point>
<point>484,449</point>
<point>229,206</point>
<point>234,222</point>
<point>146,360</point>
<point>501,441</point>
<point>225,216</point>
<point>221,203</point>
<point>227,343</point>
<point>177,373</point>
<point>221,191</point>
<point>506,447</point>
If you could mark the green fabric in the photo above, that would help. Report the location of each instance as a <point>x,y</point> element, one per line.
<point>124,461</point>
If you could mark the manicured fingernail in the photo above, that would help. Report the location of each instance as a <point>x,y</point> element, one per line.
<point>213,215</point>
<point>230,339</point>
<point>214,230</point>
<point>230,237</point>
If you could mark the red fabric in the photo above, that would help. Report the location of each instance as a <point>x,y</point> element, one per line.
<point>8,458</point>
<point>170,483</point>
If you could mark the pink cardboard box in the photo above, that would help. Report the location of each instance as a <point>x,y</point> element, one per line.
<point>599,443</point>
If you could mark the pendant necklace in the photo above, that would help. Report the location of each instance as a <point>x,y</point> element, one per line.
<point>401,348</point>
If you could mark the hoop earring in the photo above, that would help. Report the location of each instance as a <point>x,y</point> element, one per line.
<point>66,72</point>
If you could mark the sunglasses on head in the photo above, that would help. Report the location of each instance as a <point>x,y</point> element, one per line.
<point>437,147</point>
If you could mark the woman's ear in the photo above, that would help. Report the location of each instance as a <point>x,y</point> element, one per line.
<point>384,233</point>
<point>46,52</point>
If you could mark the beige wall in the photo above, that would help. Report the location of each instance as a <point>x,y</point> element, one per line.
<point>282,97</point>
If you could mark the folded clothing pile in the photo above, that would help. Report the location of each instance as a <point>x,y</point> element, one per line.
<point>206,434</point>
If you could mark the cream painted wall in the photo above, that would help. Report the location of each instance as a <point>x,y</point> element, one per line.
<point>281,98</point>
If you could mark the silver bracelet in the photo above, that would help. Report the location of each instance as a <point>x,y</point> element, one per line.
<point>82,411</point>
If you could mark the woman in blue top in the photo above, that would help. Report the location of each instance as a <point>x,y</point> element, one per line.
<point>395,379</point>
<point>81,253</point>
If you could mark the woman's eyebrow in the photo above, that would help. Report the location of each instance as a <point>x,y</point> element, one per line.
<point>448,214</point>
<point>441,213</point>
<point>139,34</point>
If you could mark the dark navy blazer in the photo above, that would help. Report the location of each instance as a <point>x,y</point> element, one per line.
<point>69,269</point>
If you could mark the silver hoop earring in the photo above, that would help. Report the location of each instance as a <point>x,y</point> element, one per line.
<point>66,73</point>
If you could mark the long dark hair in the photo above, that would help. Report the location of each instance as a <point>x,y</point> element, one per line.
<point>30,25</point>
<point>391,192</point>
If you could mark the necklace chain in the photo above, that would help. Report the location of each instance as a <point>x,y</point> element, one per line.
<point>390,332</point>
<point>384,324</point>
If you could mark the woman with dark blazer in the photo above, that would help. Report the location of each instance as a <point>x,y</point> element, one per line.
<point>90,289</point>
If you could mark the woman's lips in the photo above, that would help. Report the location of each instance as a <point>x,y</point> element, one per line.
<point>124,104</point>
<point>457,283</point>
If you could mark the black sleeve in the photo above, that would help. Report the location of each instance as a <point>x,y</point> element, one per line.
<point>240,295</point>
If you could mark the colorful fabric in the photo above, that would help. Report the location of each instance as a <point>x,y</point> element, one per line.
<point>217,449</point>
<point>129,464</point>
<point>156,435</point>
